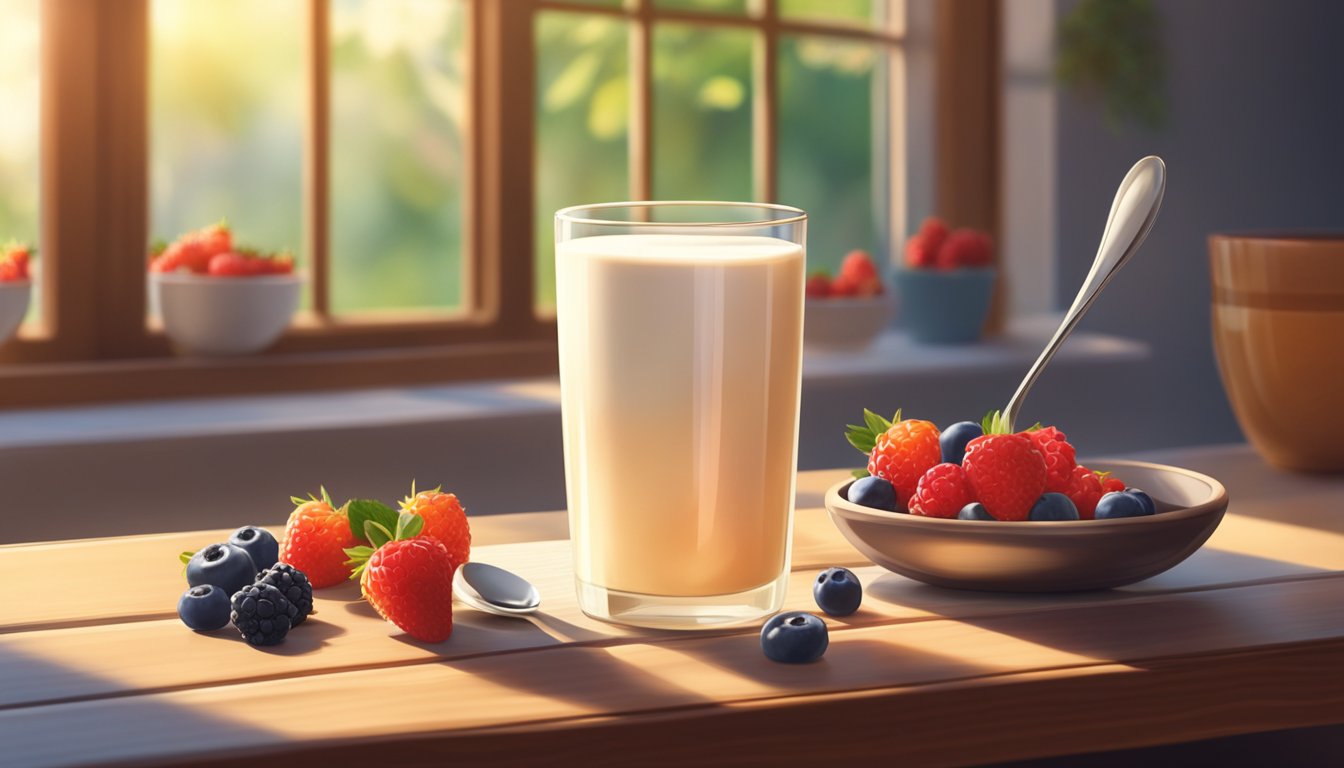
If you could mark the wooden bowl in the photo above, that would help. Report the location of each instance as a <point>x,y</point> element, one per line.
<point>1065,556</point>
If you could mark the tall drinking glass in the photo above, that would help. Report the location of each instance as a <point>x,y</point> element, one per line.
<point>680,328</point>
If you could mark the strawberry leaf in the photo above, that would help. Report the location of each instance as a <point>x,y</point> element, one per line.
<point>876,424</point>
<point>361,511</point>
<point>376,533</point>
<point>862,438</point>
<point>859,474</point>
<point>995,424</point>
<point>409,525</point>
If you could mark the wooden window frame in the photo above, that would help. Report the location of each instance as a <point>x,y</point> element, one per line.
<point>94,344</point>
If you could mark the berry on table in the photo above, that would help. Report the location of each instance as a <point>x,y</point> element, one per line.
<point>837,591</point>
<point>794,637</point>
<point>1117,504</point>
<point>204,608</point>
<point>262,614</point>
<point>899,452</point>
<point>942,492</point>
<point>1006,472</point>
<point>953,440</point>
<point>873,492</point>
<point>445,520</point>
<point>293,584</point>
<point>228,567</point>
<point>1053,506</point>
<point>408,578</point>
<point>316,537</point>
<point>974,511</point>
<point>1145,499</point>
<point>259,544</point>
<point>1060,458</point>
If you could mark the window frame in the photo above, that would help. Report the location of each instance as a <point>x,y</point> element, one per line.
<point>93,342</point>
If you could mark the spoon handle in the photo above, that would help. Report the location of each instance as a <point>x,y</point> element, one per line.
<point>1132,215</point>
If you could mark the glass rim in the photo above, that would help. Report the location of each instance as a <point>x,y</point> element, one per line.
<point>794,215</point>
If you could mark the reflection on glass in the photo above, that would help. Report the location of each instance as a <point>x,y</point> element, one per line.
<point>583,118</point>
<point>19,128</point>
<point>226,117</point>
<point>702,91</point>
<point>397,159</point>
<point>826,158</point>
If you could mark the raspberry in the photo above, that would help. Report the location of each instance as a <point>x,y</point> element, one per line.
<point>964,248</point>
<point>1110,483</point>
<point>262,614</point>
<point>903,454</point>
<point>1007,474</point>
<point>1084,491</point>
<point>920,252</point>
<point>445,520</point>
<point>942,492</point>
<point>293,585</point>
<point>1060,458</point>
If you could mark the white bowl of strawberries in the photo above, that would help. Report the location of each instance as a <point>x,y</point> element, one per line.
<point>849,310</point>
<point>15,287</point>
<point>217,299</point>
<point>982,507</point>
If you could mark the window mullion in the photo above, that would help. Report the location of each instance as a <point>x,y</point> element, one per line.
<point>765,72</point>
<point>317,156</point>
<point>641,102</point>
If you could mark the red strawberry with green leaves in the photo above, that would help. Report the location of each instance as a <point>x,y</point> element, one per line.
<point>899,451</point>
<point>315,540</point>
<point>1006,471</point>
<point>407,578</point>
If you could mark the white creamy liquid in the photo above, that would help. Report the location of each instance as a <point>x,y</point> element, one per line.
<point>680,362</point>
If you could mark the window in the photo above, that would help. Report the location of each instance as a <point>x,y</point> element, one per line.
<point>411,153</point>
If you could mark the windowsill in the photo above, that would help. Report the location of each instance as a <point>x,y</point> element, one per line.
<point>893,357</point>
<point>221,461</point>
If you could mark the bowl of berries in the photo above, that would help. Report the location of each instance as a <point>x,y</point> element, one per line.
<point>218,299</point>
<point>15,286</point>
<point>849,310</point>
<point>946,284</point>
<point>978,506</point>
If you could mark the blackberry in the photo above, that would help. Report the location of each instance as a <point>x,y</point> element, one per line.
<point>293,585</point>
<point>262,614</point>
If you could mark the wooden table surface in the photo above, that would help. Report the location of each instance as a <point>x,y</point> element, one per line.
<point>1247,635</point>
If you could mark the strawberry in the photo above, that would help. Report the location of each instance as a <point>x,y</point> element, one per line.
<point>818,285</point>
<point>315,540</point>
<point>965,248</point>
<point>1084,491</point>
<point>899,452</point>
<point>1006,471</point>
<point>858,268</point>
<point>921,250</point>
<point>1060,458</point>
<point>844,286</point>
<point>213,240</point>
<point>445,520</point>
<point>230,264</point>
<point>942,492</point>
<point>14,262</point>
<point>408,578</point>
<point>278,264</point>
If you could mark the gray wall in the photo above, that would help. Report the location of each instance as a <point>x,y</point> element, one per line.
<point>1254,139</point>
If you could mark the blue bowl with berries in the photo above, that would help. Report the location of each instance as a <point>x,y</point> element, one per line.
<point>1135,535</point>
<point>945,306</point>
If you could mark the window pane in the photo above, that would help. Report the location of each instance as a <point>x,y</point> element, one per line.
<point>720,6</point>
<point>701,113</point>
<point>226,116</point>
<point>583,118</point>
<point>827,165</point>
<point>398,106</point>
<point>19,128</point>
<point>866,12</point>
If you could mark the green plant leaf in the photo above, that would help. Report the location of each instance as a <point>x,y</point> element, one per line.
<point>859,474</point>
<point>861,438</point>
<point>185,557</point>
<point>409,525</point>
<point>361,511</point>
<point>376,533</point>
<point>875,423</point>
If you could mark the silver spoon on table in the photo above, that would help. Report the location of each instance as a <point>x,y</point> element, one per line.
<point>492,589</point>
<point>1132,215</point>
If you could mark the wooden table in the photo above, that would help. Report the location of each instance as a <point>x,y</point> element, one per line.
<point>1247,635</point>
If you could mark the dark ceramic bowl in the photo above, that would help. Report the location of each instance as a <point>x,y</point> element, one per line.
<point>1062,556</point>
<point>944,307</point>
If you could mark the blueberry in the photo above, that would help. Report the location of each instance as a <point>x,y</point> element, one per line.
<point>873,492</point>
<point>953,440</point>
<point>1053,506</point>
<point>204,608</point>
<point>1119,504</point>
<point>837,591</point>
<point>228,567</point>
<point>974,511</point>
<point>259,544</point>
<point>794,638</point>
<point>1143,498</point>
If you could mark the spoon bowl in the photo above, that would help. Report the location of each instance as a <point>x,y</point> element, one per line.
<point>492,589</point>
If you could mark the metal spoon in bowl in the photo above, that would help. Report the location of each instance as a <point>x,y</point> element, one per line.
<point>1132,215</point>
<point>492,589</point>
